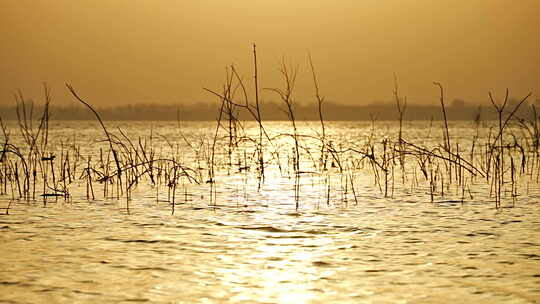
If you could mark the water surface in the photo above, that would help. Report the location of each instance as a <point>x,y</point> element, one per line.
<point>247,243</point>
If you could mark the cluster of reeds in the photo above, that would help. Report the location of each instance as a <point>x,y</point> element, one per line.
<point>121,164</point>
<point>453,166</point>
<point>446,171</point>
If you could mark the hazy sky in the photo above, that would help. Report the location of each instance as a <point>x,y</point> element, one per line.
<point>119,51</point>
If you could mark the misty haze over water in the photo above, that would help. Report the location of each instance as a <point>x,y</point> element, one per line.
<point>457,110</point>
<point>270,151</point>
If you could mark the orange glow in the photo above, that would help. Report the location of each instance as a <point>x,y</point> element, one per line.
<point>164,51</point>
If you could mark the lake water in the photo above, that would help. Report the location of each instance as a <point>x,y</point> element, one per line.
<point>242,239</point>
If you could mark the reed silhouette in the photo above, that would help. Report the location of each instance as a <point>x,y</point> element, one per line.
<point>447,170</point>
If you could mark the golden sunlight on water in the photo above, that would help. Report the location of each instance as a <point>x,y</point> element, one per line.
<point>348,155</point>
<point>241,239</point>
<point>280,269</point>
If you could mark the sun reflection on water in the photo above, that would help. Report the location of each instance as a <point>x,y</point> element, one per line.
<point>282,267</point>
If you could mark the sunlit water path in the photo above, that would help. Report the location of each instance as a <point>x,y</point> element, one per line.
<point>247,243</point>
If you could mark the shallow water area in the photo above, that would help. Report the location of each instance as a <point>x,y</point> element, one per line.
<point>243,240</point>
<point>375,252</point>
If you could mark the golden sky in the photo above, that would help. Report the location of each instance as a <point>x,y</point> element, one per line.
<point>143,51</point>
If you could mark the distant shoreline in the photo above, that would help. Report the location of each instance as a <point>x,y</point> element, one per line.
<point>269,112</point>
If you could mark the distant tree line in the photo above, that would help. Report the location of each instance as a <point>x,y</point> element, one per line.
<point>456,110</point>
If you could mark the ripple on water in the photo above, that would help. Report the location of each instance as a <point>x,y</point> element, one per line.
<point>253,246</point>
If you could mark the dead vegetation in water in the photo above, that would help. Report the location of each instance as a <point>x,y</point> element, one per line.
<point>448,171</point>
